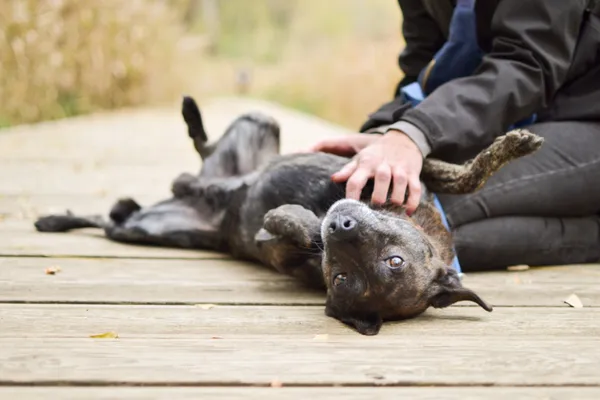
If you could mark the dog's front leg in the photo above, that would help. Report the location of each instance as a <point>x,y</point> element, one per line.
<point>290,242</point>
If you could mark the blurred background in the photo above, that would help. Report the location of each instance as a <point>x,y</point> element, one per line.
<point>336,59</point>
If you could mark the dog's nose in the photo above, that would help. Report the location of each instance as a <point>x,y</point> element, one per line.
<point>342,226</point>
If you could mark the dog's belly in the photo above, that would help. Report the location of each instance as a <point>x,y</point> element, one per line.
<point>303,179</point>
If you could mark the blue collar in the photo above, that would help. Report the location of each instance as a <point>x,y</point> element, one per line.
<point>438,205</point>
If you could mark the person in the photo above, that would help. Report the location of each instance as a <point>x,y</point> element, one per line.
<point>473,71</point>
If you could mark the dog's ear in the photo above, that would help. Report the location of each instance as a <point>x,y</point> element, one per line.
<point>446,290</point>
<point>365,324</point>
<point>428,219</point>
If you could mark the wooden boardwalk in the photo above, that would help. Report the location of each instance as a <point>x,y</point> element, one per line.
<point>196,324</point>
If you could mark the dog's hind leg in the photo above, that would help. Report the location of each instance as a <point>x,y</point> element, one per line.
<point>193,119</point>
<point>442,177</point>
<point>170,223</point>
<point>119,213</point>
<point>68,221</point>
<point>248,142</point>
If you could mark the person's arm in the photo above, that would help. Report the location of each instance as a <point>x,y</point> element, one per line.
<point>533,44</point>
<point>423,38</point>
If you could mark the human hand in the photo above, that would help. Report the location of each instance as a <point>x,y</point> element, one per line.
<point>346,146</point>
<point>391,159</point>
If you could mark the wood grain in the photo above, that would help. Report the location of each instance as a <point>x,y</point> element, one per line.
<point>29,207</point>
<point>292,322</point>
<point>418,360</point>
<point>148,281</point>
<point>228,281</point>
<point>300,393</point>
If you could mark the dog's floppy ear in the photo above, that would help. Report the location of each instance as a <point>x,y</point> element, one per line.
<point>446,290</point>
<point>365,324</point>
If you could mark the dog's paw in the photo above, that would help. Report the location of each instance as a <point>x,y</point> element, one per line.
<point>54,223</point>
<point>185,185</point>
<point>293,222</point>
<point>123,209</point>
<point>521,142</point>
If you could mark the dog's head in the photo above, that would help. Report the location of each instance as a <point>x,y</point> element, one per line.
<point>380,264</point>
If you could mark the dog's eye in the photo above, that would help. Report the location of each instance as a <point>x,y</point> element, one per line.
<point>339,279</point>
<point>395,262</point>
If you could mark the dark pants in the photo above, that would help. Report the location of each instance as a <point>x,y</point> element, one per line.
<point>542,209</point>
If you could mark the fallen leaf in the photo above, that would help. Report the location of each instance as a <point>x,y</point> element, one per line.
<point>573,301</point>
<point>204,306</point>
<point>321,337</point>
<point>216,337</point>
<point>106,335</point>
<point>52,270</point>
<point>515,268</point>
<point>276,384</point>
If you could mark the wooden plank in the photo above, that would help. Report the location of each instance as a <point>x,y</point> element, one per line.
<point>29,207</point>
<point>300,393</point>
<point>19,238</point>
<point>42,178</point>
<point>146,136</point>
<point>513,324</point>
<point>418,360</point>
<point>149,281</point>
<point>234,282</point>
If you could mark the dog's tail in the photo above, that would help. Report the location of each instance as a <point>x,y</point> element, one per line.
<point>119,213</point>
<point>193,119</point>
<point>67,222</point>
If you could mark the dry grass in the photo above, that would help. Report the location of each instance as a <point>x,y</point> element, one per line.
<point>335,59</point>
<point>64,57</point>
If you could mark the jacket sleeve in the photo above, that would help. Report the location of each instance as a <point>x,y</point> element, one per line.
<point>533,44</point>
<point>422,36</point>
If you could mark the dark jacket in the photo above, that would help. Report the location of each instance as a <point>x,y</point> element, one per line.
<point>542,57</point>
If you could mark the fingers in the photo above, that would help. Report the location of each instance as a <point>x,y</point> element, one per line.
<point>414,194</point>
<point>345,173</point>
<point>399,190</point>
<point>338,146</point>
<point>356,183</point>
<point>383,178</point>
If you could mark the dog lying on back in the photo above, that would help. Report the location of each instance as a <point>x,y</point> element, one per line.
<point>284,211</point>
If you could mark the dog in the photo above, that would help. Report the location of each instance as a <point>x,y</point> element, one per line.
<point>375,263</point>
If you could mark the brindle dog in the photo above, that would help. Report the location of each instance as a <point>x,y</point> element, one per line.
<point>376,263</point>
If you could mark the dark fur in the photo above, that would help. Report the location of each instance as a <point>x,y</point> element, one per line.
<point>285,212</point>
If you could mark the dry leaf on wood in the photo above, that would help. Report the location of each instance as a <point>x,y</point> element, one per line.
<point>276,384</point>
<point>216,337</point>
<point>106,335</point>
<point>52,270</point>
<point>516,268</point>
<point>573,301</point>
<point>204,306</point>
